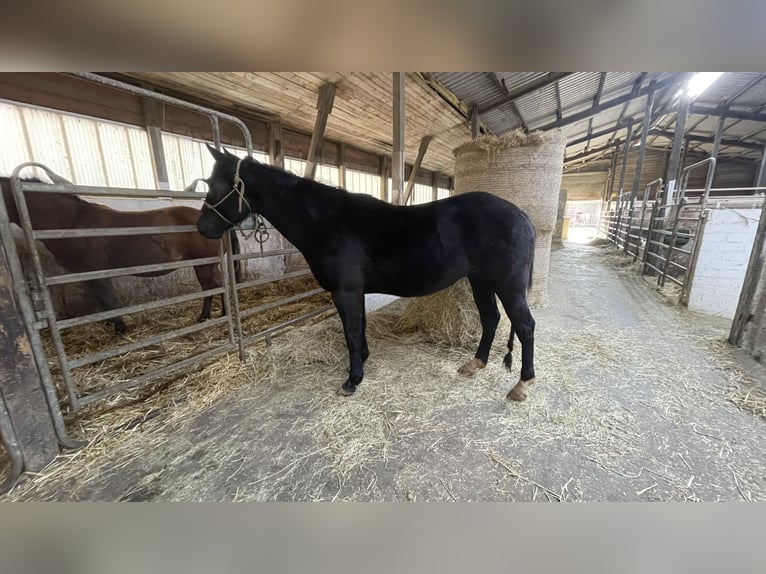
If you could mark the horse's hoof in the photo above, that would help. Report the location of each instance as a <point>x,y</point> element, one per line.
<point>344,392</point>
<point>471,367</point>
<point>202,319</point>
<point>520,392</point>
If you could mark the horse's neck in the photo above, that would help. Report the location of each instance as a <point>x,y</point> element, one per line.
<point>298,214</point>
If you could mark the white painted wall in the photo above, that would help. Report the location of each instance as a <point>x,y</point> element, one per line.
<point>723,259</point>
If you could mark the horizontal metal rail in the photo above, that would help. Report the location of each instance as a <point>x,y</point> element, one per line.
<point>112,231</point>
<point>143,343</point>
<point>98,191</point>
<point>257,255</point>
<point>161,372</point>
<point>134,270</point>
<point>265,280</point>
<point>265,307</point>
<point>271,330</point>
<point>104,315</point>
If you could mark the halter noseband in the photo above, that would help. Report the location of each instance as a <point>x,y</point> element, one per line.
<point>238,187</point>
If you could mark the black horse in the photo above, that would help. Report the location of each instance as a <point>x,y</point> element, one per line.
<point>355,244</point>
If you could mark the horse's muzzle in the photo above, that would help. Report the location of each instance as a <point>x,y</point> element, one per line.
<point>209,229</point>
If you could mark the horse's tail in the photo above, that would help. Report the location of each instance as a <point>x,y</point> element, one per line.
<point>531,269</point>
<point>235,250</point>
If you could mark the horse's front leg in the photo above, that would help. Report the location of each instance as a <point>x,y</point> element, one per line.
<point>103,292</point>
<point>350,305</point>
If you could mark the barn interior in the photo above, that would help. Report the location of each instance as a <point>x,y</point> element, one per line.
<point>640,394</point>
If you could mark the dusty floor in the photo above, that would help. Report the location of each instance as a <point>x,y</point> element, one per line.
<point>633,402</point>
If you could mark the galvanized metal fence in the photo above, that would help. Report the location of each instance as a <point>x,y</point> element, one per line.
<point>39,313</point>
<point>665,235</point>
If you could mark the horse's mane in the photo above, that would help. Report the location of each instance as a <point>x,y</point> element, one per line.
<point>284,177</point>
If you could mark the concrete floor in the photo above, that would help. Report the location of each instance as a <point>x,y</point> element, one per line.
<point>652,383</point>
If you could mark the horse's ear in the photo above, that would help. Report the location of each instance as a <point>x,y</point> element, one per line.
<point>217,155</point>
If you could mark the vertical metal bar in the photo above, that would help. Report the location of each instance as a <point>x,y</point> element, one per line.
<point>397,159</point>
<point>647,190</point>
<point>234,295</point>
<point>226,277</point>
<point>649,231</point>
<point>675,152</point>
<point>679,206</point>
<point>216,132</point>
<point>434,187</point>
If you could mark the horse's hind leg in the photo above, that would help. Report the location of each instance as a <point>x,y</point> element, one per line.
<point>484,297</point>
<point>103,292</point>
<point>515,304</point>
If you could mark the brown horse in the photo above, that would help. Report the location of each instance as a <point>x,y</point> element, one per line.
<point>67,211</point>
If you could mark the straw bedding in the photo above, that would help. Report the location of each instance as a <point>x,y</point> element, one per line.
<point>412,392</point>
<point>198,387</point>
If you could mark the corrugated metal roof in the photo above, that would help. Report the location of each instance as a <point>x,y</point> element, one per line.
<point>577,93</point>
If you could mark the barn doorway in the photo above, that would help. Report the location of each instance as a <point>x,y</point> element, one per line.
<point>581,221</point>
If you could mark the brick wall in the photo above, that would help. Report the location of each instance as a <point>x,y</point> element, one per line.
<point>723,259</point>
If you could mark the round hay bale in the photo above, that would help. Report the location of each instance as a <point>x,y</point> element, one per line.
<point>526,170</point>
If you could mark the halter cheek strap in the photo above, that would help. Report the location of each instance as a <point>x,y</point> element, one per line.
<point>238,187</point>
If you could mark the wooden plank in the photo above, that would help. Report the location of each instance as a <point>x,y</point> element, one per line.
<point>325,101</point>
<point>397,157</point>
<point>415,167</point>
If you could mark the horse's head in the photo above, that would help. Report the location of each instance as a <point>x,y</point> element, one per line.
<point>225,204</point>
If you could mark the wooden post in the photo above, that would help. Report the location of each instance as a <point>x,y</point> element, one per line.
<point>276,155</point>
<point>750,318</point>
<point>342,166</point>
<point>384,179</point>
<point>397,159</point>
<point>325,101</point>
<point>475,121</point>
<point>414,171</point>
<point>153,122</point>
<point>20,386</point>
<point>434,186</point>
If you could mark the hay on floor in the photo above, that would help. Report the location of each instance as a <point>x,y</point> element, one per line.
<point>198,387</point>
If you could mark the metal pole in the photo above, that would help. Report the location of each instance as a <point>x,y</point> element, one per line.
<point>675,152</point>
<point>620,199</point>
<point>397,160</point>
<point>718,135</point>
<point>640,161</point>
